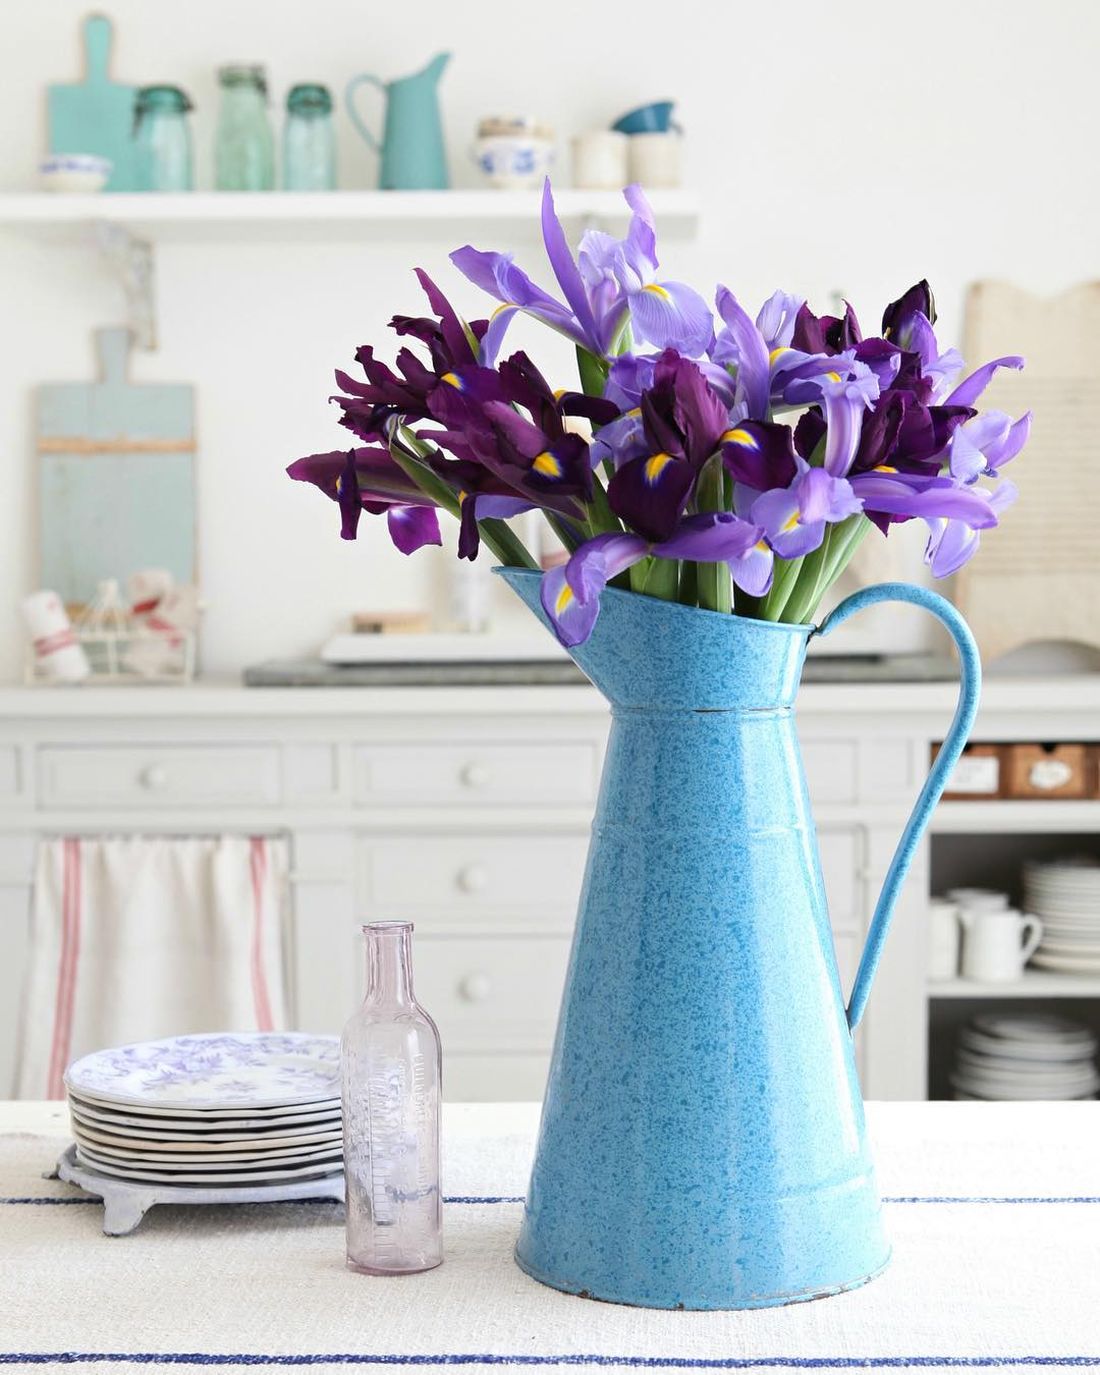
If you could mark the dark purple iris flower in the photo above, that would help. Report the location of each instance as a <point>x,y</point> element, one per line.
<point>369,480</point>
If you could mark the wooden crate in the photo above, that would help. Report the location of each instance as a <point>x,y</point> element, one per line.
<point>1050,771</point>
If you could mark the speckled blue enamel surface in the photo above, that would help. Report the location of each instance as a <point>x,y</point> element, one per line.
<point>702,1142</point>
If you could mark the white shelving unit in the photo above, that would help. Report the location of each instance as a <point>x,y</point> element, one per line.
<point>1053,817</point>
<point>1033,983</point>
<point>211,216</point>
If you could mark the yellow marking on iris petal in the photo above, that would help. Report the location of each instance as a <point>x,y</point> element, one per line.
<point>504,305</point>
<point>559,392</point>
<point>565,596</point>
<point>452,379</point>
<point>658,290</point>
<point>789,524</point>
<point>762,545</point>
<point>655,466</point>
<point>778,353</point>
<point>741,437</point>
<point>885,468</point>
<point>833,376</point>
<point>461,498</point>
<point>547,464</point>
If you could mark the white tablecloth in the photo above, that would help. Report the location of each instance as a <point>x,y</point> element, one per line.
<point>994,1212</point>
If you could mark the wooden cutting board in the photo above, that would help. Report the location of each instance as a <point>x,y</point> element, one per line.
<point>96,115</point>
<point>116,483</point>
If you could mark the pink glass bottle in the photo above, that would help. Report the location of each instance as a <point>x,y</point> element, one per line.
<point>391,1063</point>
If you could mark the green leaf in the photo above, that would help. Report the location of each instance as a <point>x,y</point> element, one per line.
<point>593,372</point>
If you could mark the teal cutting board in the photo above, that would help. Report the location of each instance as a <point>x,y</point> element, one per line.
<point>116,488</point>
<point>96,115</point>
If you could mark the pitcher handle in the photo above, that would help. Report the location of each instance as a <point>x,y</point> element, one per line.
<point>970,684</point>
<point>349,102</point>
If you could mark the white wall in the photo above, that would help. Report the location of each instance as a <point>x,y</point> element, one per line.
<point>834,147</point>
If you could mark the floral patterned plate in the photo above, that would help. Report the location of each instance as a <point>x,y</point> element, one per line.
<point>156,1175</point>
<point>210,1144</point>
<point>189,1126</point>
<point>219,1070</point>
<point>175,1160</point>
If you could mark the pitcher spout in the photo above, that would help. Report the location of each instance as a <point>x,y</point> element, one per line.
<point>434,70</point>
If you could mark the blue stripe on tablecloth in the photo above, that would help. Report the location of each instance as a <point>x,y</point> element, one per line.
<point>211,1358</point>
<point>518,1198</point>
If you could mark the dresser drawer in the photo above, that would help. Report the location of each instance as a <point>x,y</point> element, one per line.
<point>476,774</point>
<point>492,995</point>
<point>158,776</point>
<point>501,880</point>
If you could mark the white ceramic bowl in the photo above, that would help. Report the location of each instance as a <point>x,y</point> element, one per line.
<point>514,161</point>
<point>82,172</point>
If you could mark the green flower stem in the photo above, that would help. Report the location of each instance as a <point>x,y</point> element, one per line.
<point>783,582</point>
<point>810,585</point>
<point>689,583</point>
<point>663,579</point>
<point>713,580</point>
<point>593,372</point>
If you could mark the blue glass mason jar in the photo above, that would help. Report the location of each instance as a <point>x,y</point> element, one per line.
<point>309,143</point>
<point>244,146</point>
<point>162,139</point>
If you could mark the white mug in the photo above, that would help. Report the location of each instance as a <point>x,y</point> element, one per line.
<point>655,159</point>
<point>943,939</point>
<point>997,945</point>
<point>600,160</point>
<point>979,899</point>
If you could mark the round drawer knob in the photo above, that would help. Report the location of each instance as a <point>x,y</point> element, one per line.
<point>475,988</point>
<point>476,775</point>
<point>473,878</point>
<point>154,777</point>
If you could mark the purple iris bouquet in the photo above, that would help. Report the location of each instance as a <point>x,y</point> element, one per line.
<point>706,457</point>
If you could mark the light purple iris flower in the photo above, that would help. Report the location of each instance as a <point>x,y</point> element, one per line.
<point>986,443</point>
<point>794,517</point>
<point>613,282</point>
<point>968,391</point>
<point>953,542</point>
<point>845,400</point>
<point>571,594</point>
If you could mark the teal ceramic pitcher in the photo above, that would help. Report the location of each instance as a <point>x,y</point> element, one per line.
<point>702,1142</point>
<point>412,152</point>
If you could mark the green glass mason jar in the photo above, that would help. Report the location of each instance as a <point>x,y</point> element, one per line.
<point>244,147</point>
<point>162,139</point>
<point>309,144</point>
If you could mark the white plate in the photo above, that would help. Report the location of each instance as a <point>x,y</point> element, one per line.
<point>275,1160</point>
<point>202,1115</point>
<point>1023,1050</point>
<point>1032,1028</point>
<point>997,1064</point>
<point>1087,1082</point>
<point>1067,964</point>
<point>1015,1094</point>
<point>213,1139</point>
<point>220,1145</point>
<point>1088,949</point>
<point>218,1070</point>
<point>199,1127</point>
<point>155,1176</point>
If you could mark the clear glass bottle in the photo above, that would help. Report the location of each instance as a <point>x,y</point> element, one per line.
<point>309,143</point>
<point>391,1064</point>
<point>162,139</point>
<point>244,146</point>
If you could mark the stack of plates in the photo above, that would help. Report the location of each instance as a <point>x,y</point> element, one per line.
<point>209,1110</point>
<point>1065,896</point>
<point>1004,1058</point>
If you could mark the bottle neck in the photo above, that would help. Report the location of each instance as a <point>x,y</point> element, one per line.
<point>389,963</point>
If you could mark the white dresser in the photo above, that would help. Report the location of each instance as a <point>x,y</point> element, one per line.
<point>467,811</point>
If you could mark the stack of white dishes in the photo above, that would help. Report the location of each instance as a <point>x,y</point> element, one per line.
<point>1023,1057</point>
<point>219,1109</point>
<point>1065,896</point>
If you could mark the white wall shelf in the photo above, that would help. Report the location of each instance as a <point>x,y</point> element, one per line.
<point>1033,983</point>
<point>206,216</point>
<point>1049,817</point>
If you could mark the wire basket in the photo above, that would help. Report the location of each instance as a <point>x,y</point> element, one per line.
<point>132,655</point>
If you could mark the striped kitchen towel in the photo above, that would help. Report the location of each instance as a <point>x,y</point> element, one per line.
<point>139,937</point>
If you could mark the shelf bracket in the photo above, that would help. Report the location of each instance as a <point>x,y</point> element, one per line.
<point>133,264</point>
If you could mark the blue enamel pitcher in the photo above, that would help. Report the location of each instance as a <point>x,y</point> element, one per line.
<point>702,1142</point>
<point>411,149</point>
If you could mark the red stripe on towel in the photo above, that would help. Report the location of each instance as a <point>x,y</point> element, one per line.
<point>258,866</point>
<point>67,966</point>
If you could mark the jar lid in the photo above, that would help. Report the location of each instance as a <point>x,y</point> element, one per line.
<point>310,98</point>
<point>244,74</point>
<point>162,98</point>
